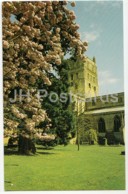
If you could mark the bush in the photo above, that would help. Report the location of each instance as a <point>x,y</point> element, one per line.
<point>89,136</point>
<point>46,143</point>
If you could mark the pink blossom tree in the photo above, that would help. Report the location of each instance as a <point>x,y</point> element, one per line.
<point>36,36</point>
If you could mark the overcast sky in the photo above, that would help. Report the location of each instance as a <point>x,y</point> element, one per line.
<point>101,24</point>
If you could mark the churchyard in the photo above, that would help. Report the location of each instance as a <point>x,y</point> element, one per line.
<point>64,168</point>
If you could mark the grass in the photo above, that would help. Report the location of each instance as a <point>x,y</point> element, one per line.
<point>65,168</point>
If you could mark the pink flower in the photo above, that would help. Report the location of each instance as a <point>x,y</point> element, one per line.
<point>57,30</point>
<point>40,47</point>
<point>58,61</point>
<point>5,44</point>
<point>49,9</point>
<point>85,43</point>
<point>73,4</point>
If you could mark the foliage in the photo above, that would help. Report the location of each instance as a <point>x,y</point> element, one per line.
<point>61,117</point>
<point>83,125</point>
<point>36,35</point>
<point>47,144</point>
<point>86,131</point>
<point>91,136</point>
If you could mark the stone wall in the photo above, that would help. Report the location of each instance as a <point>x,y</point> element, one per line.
<point>110,115</point>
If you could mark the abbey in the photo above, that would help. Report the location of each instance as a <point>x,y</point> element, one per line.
<point>106,113</point>
<point>83,77</point>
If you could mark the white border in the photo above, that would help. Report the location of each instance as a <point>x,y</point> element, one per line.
<point>125,26</point>
<point>125,16</point>
<point>1,109</point>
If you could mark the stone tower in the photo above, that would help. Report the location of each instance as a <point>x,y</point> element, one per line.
<point>83,79</point>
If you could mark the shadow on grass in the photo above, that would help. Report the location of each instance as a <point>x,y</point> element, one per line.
<point>45,153</point>
<point>10,151</point>
<point>14,151</point>
<point>11,165</point>
<point>7,181</point>
<point>43,148</point>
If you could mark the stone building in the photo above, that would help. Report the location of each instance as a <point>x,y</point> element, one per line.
<point>106,113</point>
<point>83,79</point>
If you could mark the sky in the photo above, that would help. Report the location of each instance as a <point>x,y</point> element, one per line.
<point>101,24</point>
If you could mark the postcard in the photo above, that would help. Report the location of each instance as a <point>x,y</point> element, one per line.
<point>63,96</point>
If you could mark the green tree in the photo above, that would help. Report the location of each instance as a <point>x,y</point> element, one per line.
<point>57,104</point>
<point>86,131</point>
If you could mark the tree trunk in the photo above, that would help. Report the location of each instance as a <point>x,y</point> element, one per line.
<point>26,146</point>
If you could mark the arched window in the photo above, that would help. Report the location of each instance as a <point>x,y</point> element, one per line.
<point>101,126</point>
<point>120,100</point>
<point>93,102</point>
<point>95,88</point>
<point>117,123</point>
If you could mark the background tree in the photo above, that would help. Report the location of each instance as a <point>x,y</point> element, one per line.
<point>36,35</point>
<point>87,133</point>
<point>57,107</point>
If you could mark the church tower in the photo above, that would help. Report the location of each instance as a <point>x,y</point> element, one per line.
<point>91,78</point>
<point>83,78</point>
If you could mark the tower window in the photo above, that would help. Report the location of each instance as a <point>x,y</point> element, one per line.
<point>120,100</point>
<point>117,123</point>
<point>89,85</point>
<point>94,88</point>
<point>101,125</point>
<point>93,103</point>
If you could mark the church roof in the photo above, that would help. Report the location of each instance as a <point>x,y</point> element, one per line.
<point>104,110</point>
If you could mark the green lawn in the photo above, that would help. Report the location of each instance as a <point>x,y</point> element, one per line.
<point>65,168</point>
